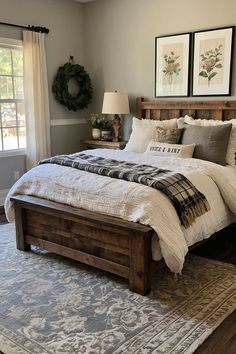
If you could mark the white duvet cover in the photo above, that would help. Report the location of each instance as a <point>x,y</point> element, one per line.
<point>139,203</point>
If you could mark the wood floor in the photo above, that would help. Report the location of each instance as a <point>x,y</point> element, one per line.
<point>222,248</point>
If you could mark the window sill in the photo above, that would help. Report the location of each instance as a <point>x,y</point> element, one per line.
<point>11,153</point>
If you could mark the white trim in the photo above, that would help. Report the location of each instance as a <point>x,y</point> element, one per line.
<point>10,153</point>
<point>3,194</point>
<point>9,42</point>
<point>70,121</point>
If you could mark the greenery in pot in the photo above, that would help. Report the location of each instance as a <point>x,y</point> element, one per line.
<point>99,121</point>
<point>106,123</point>
<point>95,120</point>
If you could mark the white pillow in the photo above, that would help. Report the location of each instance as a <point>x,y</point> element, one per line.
<point>231,150</point>
<point>164,149</point>
<point>143,130</point>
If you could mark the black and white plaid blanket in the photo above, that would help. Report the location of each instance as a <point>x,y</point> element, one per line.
<point>187,200</point>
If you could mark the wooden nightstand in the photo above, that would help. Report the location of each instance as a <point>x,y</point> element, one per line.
<point>100,144</point>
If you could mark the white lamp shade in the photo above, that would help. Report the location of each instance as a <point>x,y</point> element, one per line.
<point>115,103</point>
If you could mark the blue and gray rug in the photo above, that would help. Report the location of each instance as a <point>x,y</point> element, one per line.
<point>52,305</point>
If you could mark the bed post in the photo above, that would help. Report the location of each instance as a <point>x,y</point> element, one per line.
<point>20,232</point>
<point>140,263</point>
<point>139,101</point>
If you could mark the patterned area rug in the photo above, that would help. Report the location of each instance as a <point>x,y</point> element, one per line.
<point>52,305</point>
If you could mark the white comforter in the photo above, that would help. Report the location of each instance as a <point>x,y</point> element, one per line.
<point>135,202</point>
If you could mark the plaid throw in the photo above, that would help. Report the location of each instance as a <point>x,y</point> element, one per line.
<point>187,200</point>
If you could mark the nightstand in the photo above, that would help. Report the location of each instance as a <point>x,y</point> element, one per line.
<point>100,144</point>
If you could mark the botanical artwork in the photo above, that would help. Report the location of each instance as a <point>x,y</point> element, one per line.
<point>212,62</point>
<point>172,65</point>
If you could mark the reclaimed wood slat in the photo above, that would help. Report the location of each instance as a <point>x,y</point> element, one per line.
<point>67,227</point>
<point>80,256</point>
<point>196,109</point>
<point>49,226</point>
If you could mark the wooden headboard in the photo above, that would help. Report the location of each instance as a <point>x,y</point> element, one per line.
<point>218,110</point>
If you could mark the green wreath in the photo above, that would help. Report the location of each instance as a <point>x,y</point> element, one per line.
<point>60,86</point>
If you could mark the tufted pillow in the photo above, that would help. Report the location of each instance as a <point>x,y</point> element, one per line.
<point>231,149</point>
<point>144,130</point>
<point>169,136</point>
<point>178,150</point>
<point>211,142</point>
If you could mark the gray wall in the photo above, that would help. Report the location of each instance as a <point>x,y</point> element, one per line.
<point>64,18</point>
<point>120,35</point>
<point>114,39</point>
<point>11,164</point>
<point>66,139</point>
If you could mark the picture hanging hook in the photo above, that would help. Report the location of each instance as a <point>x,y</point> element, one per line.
<point>71,60</point>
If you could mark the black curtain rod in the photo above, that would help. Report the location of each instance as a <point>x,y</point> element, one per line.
<point>29,27</point>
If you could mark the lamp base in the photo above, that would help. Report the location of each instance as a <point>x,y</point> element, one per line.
<point>116,128</point>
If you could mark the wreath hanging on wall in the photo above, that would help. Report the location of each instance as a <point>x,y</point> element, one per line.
<point>60,86</point>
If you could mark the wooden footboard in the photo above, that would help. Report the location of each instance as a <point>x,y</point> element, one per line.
<point>104,242</point>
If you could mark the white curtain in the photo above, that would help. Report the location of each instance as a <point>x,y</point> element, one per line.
<point>36,98</point>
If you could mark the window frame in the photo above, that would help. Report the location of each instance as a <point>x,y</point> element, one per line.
<point>10,43</point>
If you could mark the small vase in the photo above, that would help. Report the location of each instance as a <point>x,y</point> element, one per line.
<point>96,133</point>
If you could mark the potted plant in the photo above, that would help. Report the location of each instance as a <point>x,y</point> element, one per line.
<point>95,121</point>
<point>101,126</point>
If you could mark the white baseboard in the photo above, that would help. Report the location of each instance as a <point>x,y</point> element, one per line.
<point>3,194</point>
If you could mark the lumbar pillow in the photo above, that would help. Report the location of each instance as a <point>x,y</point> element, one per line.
<point>211,142</point>
<point>231,149</point>
<point>143,130</point>
<point>178,150</point>
<point>169,136</point>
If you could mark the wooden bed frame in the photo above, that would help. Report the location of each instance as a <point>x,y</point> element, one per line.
<point>104,242</point>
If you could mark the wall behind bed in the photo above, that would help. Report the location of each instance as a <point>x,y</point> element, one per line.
<point>119,38</point>
<point>114,40</point>
<point>64,18</point>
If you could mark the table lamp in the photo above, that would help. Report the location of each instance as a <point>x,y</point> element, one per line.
<point>116,103</point>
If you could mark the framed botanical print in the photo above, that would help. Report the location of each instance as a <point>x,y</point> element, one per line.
<point>212,61</point>
<point>172,65</point>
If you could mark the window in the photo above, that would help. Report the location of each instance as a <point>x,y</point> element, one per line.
<point>12,108</point>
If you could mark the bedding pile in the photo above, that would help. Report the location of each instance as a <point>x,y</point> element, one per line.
<point>188,201</point>
<point>139,203</point>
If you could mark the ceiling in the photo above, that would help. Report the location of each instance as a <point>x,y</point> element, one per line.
<point>84,0</point>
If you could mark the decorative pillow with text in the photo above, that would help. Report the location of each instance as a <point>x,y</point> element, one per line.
<point>164,149</point>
